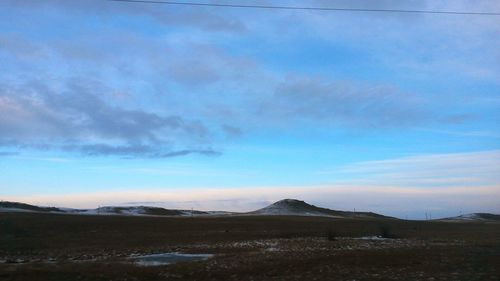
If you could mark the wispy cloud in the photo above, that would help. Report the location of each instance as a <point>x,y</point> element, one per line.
<point>346,103</point>
<point>194,18</point>
<point>428,170</point>
<point>472,134</point>
<point>8,153</point>
<point>46,159</point>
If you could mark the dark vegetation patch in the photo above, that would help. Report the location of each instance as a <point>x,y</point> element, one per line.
<point>488,216</point>
<point>386,231</point>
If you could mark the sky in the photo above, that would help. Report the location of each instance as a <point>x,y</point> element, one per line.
<point>113,103</point>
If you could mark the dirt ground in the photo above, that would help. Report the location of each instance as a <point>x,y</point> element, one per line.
<point>71,247</point>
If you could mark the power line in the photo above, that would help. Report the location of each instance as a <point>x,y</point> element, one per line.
<point>307,8</point>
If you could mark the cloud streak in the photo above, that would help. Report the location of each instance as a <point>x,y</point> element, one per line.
<point>203,19</point>
<point>346,104</point>
<point>8,153</point>
<point>427,171</point>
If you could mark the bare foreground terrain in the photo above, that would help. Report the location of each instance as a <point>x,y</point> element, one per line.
<point>40,246</point>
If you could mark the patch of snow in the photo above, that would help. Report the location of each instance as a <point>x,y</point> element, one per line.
<point>168,258</point>
<point>371,238</point>
<point>68,210</point>
<point>188,214</point>
<point>284,207</point>
<point>219,213</point>
<point>111,210</point>
<point>272,249</point>
<point>466,217</point>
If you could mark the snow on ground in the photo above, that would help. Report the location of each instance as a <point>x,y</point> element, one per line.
<point>168,258</point>
<point>466,217</point>
<point>469,217</point>
<point>289,207</point>
<point>371,238</point>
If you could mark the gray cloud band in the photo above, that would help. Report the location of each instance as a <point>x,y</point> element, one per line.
<point>75,118</point>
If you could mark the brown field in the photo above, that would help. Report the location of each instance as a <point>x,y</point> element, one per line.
<point>76,247</point>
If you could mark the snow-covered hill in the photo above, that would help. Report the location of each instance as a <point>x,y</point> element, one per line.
<point>6,206</point>
<point>300,208</point>
<point>475,217</point>
<point>291,207</point>
<point>134,211</point>
<point>108,210</point>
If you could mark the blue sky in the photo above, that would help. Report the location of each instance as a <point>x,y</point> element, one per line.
<point>122,103</point>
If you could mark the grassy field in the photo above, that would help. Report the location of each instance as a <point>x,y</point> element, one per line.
<point>75,247</point>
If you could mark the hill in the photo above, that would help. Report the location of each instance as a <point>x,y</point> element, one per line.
<point>301,208</point>
<point>6,206</point>
<point>475,217</point>
<point>139,210</point>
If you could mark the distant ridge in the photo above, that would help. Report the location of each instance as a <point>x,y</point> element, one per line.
<point>141,210</point>
<point>6,206</point>
<point>285,207</point>
<point>475,217</point>
<point>301,208</point>
<point>16,206</point>
<point>289,207</point>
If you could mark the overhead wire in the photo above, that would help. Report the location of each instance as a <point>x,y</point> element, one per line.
<point>305,8</point>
